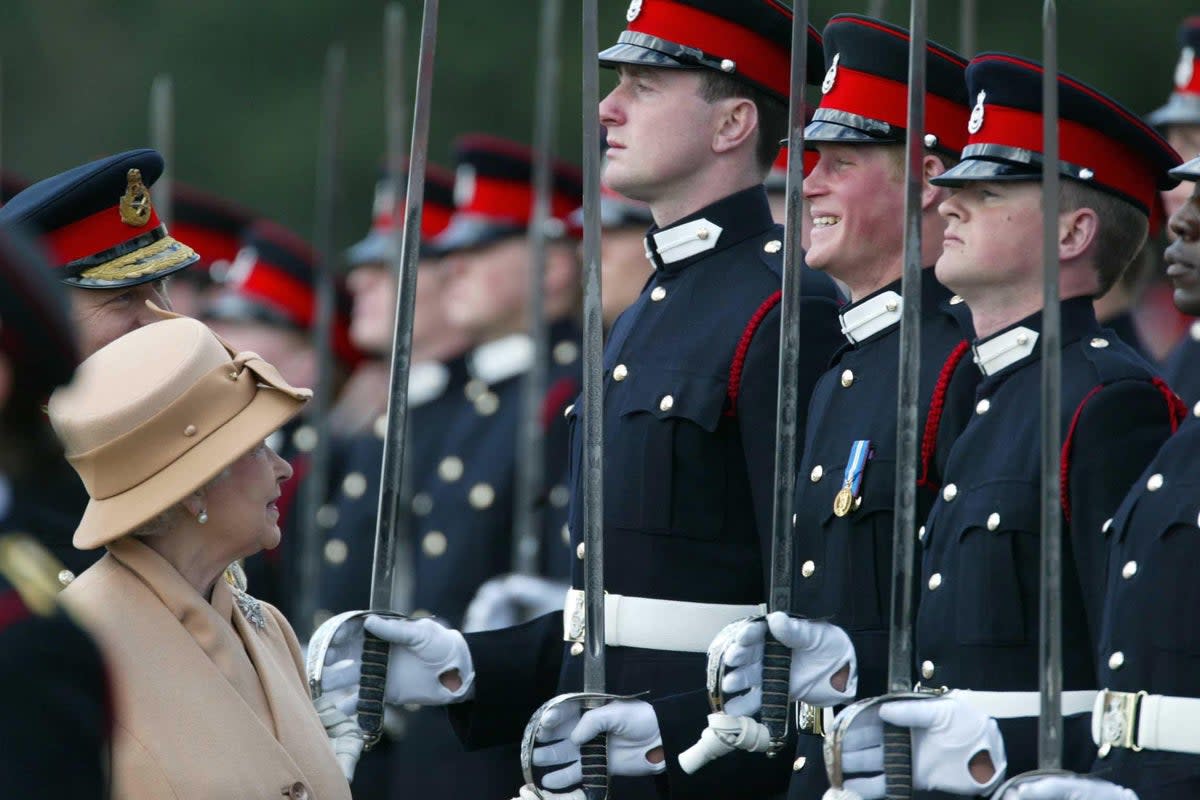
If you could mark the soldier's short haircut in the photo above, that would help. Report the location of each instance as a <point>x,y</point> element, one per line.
<point>772,114</point>
<point>898,156</point>
<point>1121,231</point>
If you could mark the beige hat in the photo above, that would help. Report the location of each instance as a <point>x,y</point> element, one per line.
<point>157,414</point>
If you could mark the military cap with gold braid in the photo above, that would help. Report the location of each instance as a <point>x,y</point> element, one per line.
<point>98,222</point>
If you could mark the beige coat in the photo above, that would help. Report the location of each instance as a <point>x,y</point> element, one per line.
<point>209,705</point>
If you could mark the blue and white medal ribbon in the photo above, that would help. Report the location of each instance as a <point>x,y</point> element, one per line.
<point>846,500</point>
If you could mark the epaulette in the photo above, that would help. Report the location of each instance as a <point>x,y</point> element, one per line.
<point>32,571</point>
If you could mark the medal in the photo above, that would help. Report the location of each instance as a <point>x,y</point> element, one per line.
<point>846,500</point>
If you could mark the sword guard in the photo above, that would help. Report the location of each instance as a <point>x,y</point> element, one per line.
<point>593,756</point>
<point>1027,777</point>
<point>895,773</point>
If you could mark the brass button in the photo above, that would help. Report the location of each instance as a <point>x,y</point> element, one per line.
<point>422,504</point>
<point>620,371</point>
<point>658,293</point>
<point>795,517</point>
<point>1104,750</point>
<point>1107,524</point>
<point>380,426</point>
<point>473,388</point>
<point>816,473</point>
<point>667,403</point>
<point>487,404</point>
<point>1154,482</point>
<point>935,580</point>
<point>567,411</point>
<point>327,516</point>
<point>927,669</point>
<point>982,406</point>
<point>560,496</point>
<point>808,568</point>
<point>955,300</point>
<point>481,496</point>
<point>702,234</point>
<point>949,492</point>
<point>1116,660</point>
<point>799,763</point>
<point>354,485</point>
<point>847,378</point>
<point>566,533</point>
<point>891,305</point>
<point>1195,331</point>
<point>921,534</point>
<point>1099,343</point>
<point>1196,410</point>
<point>336,551</point>
<point>577,648</point>
<point>434,544</point>
<point>565,352</point>
<point>773,246</point>
<point>1022,339</point>
<point>450,469</point>
<point>305,438</point>
<point>1129,570</point>
<point>580,549</point>
<point>993,521</point>
<point>65,576</point>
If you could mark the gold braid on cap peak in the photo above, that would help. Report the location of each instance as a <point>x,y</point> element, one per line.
<point>127,266</point>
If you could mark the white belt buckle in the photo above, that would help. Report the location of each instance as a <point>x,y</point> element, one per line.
<point>576,623</point>
<point>1118,724</point>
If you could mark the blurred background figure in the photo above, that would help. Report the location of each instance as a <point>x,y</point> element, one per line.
<point>106,244</point>
<point>267,305</point>
<point>55,731</point>
<point>213,227</point>
<point>624,268</point>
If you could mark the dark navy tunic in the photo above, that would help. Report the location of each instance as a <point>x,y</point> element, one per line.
<point>843,565</point>
<point>691,376</point>
<point>1150,636</point>
<point>1182,368</point>
<point>978,618</point>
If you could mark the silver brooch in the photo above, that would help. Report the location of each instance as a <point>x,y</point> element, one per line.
<point>250,607</point>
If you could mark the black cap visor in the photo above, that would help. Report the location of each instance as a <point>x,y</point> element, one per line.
<point>467,232</point>
<point>651,51</point>
<point>1187,171</point>
<point>834,126</point>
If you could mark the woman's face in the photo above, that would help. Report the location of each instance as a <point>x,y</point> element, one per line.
<point>242,504</point>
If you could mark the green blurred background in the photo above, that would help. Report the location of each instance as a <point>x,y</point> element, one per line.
<point>247,75</point>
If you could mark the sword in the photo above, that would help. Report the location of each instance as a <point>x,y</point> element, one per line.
<point>314,490</point>
<point>777,657</point>
<point>162,135</point>
<point>897,742</point>
<point>531,443</point>
<point>375,650</point>
<point>968,24</point>
<point>1050,633</point>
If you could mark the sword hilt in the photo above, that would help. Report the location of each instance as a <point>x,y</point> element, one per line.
<point>897,762</point>
<point>372,681</point>
<point>777,667</point>
<point>593,758</point>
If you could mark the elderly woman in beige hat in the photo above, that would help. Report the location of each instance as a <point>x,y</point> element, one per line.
<point>166,426</point>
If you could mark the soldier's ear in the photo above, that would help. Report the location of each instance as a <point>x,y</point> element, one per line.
<point>1077,232</point>
<point>932,196</point>
<point>193,504</point>
<point>737,123</point>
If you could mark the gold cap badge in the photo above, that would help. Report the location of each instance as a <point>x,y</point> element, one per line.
<point>135,203</point>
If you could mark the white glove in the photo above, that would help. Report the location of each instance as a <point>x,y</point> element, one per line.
<point>723,735</point>
<point>424,657</point>
<point>345,737</point>
<point>819,651</point>
<point>507,600</point>
<point>946,734</point>
<point>1062,787</point>
<point>632,728</point>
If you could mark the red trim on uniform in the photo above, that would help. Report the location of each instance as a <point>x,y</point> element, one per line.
<point>93,234</point>
<point>937,404</point>
<point>884,99</point>
<point>1193,86</point>
<point>1064,464</point>
<point>1114,164</point>
<point>295,298</point>
<point>757,57</point>
<point>12,608</point>
<point>743,347</point>
<point>1177,410</point>
<point>434,220</point>
<point>557,397</point>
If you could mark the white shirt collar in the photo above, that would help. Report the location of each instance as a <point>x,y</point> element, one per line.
<point>1004,350</point>
<point>683,241</point>
<point>875,314</point>
<point>426,382</point>
<point>501,359</point>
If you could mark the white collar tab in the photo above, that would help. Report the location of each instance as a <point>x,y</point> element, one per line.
<point>1004,350</point>
<point>683,241</point>
<point>427,381</point>
<point>501,359</point>
<point>874,315</point>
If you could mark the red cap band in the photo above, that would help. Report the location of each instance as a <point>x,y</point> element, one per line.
<point>757,58</point>
<point>886,100</point>
<point>434,220</point>
<point>295,299</point>
<point>512,201</point>
<point>210,245</point>
<point>1112,164</point>
<point>94,234</point>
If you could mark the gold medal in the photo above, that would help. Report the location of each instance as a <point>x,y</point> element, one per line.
<point>843,501</point>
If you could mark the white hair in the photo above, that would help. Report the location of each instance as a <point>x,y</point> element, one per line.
<point>162,522</point>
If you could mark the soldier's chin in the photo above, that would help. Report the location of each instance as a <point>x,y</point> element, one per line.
<point>1187,299</point>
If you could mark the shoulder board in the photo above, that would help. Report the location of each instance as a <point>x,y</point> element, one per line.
<point>1113,359</point>
<point>770,249</point>
<point>31,570</point>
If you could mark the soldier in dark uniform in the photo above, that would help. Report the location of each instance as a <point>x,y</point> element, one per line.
<point>1179,121</point>
<point>56,723</point>
<point>268,305</point>
<point>107,244</point>
<point>978,619</point>
<point>845,488</point>
<point>691,378</point>
<point>414,740</point>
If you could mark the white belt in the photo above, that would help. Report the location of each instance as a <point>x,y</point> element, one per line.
<point>1014,705</point>
<point>646,622</point>
<point>1140,721</point>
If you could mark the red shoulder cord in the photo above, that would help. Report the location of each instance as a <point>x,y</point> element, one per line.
<point>743,347</point>
<point>936,405</point>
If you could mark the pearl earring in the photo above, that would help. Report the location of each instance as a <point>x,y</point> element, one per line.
<point>202,517</point>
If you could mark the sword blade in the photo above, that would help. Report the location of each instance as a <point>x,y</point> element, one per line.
<point>1050,634</point>
<point>968,25</point>
<point>162,138</point>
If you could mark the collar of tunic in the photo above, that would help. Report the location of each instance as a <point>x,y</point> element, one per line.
<point>723,224</point>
